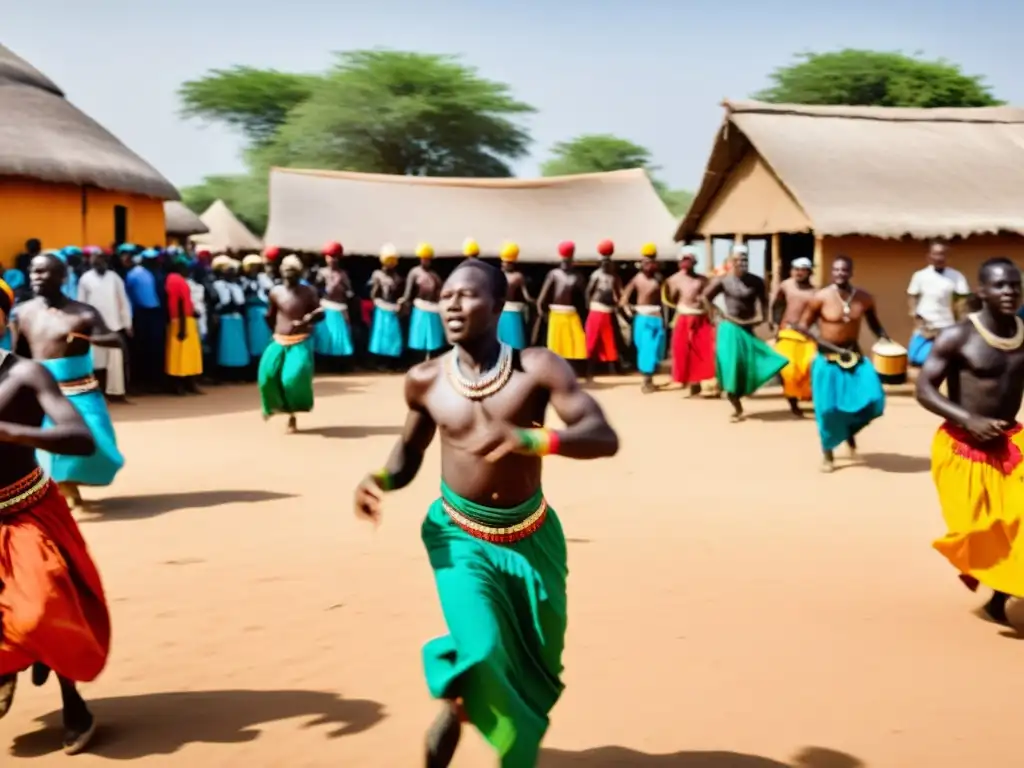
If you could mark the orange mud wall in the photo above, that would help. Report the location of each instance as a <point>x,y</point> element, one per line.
<point>60,215</point>
<point>884,267</point>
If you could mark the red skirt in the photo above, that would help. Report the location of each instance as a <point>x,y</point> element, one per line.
<point>52,606</point>
<point>693,349</point>
<point>600,330</point>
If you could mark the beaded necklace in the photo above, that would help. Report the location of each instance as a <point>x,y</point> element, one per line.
<point>489,383</point>
<point>1002,343</point>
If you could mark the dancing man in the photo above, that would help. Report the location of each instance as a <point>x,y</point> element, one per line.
<point>560,296</point>
<point>285,375</point>
<point>60,333</point>
<point>422,287</point>
<point>497,548</point>
<point>743,363</point>
<point>648,323</point>
<point>512,323</point>
<point>788,306</point>
<point>385,290</point>
<point>604,291</point>
<point>977,462</point>
<point>693,335</point>
<point>333,337</point>
<point>53,613</point>
<point>846,389</point>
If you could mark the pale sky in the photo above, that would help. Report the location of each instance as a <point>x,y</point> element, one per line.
<point>652,71</point>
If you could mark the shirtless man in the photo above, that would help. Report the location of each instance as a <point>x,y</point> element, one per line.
<point>512,325</point>
<point>788,304</point>
<point>494,543</point>
<point>286,369</point>
<point>648,322</point>
<point>386,288</point>
<point>333,339</point>
<point>604,290</point>
<point>693,335</point>
<point>59,332</point>
<point>560,298</point>
<point>981,360</point>
<point>847,391</point>
<point>53,614</point>
<point>422,287</point>
<point>744,362</point>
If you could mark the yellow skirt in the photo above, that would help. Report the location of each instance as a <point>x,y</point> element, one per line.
<point>981,490</point>
<point>800,351</point>
<point>184,358</point>
<point>565,333</point>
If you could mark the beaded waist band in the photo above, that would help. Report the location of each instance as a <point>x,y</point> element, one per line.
<point>287,341</point>
<point>514,306</point>
<point>337,306</point>
<point>79,386</point>
<point>497,535</point>
<point>24,493</point>
<point>563,309</point>
<point>648,310</point>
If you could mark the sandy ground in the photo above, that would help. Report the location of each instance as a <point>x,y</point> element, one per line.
<point>730,606</point>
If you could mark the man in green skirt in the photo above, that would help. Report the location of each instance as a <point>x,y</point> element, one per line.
<point>496,547</point>
<point>743,363</point>
<point>286,367</point>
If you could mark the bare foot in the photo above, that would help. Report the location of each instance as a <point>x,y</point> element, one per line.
<point>8,685</point>
<point>293,426</point>
<point>828,466</point>
<point>78,732</point>
<point>443,737</point>
<point>736,418</point>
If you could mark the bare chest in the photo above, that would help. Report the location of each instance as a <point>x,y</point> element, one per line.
<point>839,308</point>
<point>986,362</point>
<point>461,420</point>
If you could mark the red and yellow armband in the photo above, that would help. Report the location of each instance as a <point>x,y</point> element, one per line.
<point>539,442</point>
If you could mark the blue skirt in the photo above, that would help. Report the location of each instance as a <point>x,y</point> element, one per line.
<point>649,338</point>
<point>918,350</point>
<point>257,330</point>
<point>512,329</point>
<point>426,331</point>
<point>385,333</point>
<point>232,347</point>
<point>331,336</point>
<point>845,400</point>
<point>101,467</point>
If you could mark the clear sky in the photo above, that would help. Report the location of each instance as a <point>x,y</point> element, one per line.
<point>653,71</point>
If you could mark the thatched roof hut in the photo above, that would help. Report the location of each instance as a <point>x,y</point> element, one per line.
<point>225,231</point>
<point>181,221</point>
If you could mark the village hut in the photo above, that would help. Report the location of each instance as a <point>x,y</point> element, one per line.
<point>876,184</point>
<point>181,223</point>
<point>64,179</point>
<point>225,232</point>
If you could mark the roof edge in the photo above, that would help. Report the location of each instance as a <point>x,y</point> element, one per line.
<point>1003,114</point>
<point>629,174</point>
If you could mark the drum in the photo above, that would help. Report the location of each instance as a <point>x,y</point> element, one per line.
<point>890,361</point>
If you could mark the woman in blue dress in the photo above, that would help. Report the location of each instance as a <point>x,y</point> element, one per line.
<point>257,284</point>
<point>233,357</point>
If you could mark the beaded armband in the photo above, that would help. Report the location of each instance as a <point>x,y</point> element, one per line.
<point>539,442</point>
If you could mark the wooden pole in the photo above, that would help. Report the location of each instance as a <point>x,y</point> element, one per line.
<point>709,255</point>
<point>819,262</point>
<point>776,263</point>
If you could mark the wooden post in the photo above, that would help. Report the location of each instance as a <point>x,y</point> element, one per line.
<point>776,263</point>
<point>819,262</point>
<point>709,255</point>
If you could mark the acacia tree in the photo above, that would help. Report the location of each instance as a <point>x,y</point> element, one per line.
<point>874,78</point>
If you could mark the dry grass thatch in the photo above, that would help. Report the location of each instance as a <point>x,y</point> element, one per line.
<point>180,221</point>
<point>225,231</point>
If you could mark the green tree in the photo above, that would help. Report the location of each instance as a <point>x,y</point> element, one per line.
<point>601,153</point>
<point>244,194</point>
<point>875,78</point>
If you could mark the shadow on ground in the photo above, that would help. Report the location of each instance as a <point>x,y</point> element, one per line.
<point>783,415</point>
<point>620,757</point>
<point>351,431</point>
<point>896,463</point>
<point>153,505</point>
<point>133,727</point>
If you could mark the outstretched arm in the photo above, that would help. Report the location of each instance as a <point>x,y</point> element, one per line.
<point>68,435</point>
<point>944,356</point>
<point>587,433</point>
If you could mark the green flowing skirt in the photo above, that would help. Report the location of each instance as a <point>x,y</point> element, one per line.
<point>744,363</point>
<point>285,378</point>
<point>505,607</point>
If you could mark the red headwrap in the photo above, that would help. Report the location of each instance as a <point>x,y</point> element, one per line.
<point>333,248</point>
<point>271,253</point>
<point>566,249</point>
<point>606,248</point>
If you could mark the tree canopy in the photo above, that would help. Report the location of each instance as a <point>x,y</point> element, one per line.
<point>875,78</point>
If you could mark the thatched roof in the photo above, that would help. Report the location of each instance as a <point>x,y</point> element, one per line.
<point>180,221</point>
<point>225,231</point>
<point>43,136</point>
<point>881,172</point>
<point>363,211</point>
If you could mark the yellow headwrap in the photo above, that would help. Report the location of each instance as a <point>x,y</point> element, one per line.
<point>221,263</point>
<point>252,260</point>
<point>292,262</point>
<point>388,254</point>
<point>470,248</point>
<point>424,251</point>
<point>649,250</point>
<point>509,252</point>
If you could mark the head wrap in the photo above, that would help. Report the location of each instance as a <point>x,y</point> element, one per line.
<point>333,248</point>
<point>92,250</point>
<point>58,255</point>
<point>149,254</point>
<point>388,254</point>
<point>688,252</point>
<point>71,250</point>
<point>509,252</point>
<point>271,253</point>
<point>181,260</point>
<point>470,248</point>
<point>649,251</point>
<point>14,278</point>
<point>291,262</point>
<point>739,250</point>
<point>424,251</point>
<point>252,260</point>
<point>221,263</point>
<point>566,249</point>
<point>606,248</point>
<point>127,248</point>
<point>802,263</point>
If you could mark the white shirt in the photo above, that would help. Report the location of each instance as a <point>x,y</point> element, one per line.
<point>107,294</point>
<point>935,292</point>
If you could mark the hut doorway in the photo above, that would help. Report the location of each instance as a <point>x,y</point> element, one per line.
<point>120,224</point>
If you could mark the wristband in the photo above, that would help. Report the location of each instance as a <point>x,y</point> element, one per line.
<point>384,479</point>
<point>539,442</point>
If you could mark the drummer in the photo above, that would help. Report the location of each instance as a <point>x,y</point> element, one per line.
<point>847,392</point>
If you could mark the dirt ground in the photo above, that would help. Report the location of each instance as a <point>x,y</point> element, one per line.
<point>730,607</point>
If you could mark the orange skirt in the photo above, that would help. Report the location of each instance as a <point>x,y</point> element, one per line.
<point>52,606</point>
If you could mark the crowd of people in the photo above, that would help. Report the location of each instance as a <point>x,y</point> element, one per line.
<point>495,544</point>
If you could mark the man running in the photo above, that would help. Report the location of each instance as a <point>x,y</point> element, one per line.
<point>977,462</point>
<point>693,335</point>
<point>53,613</point>
<point>496,547</point>
<point>648,323</point>
<point>60,333</point>
<point>422,287</point>
<point>285,375</point>
<point>604,290</point>
<point>559,301</point>
<point>788,304</point>
<point>743,363</point>
<point>846,389</point>
<point>512,324</point>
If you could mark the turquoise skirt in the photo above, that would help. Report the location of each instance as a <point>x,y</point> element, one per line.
<point>649,338</point>
<point>102,466</point>
<point>426,331</point>
<point>512,329</point>
<point>332,337</point>
<point>257,330</point>
<point>918,350</point>
<point>385,333</point>
<point>845,400</point>
<point>232,345</point>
